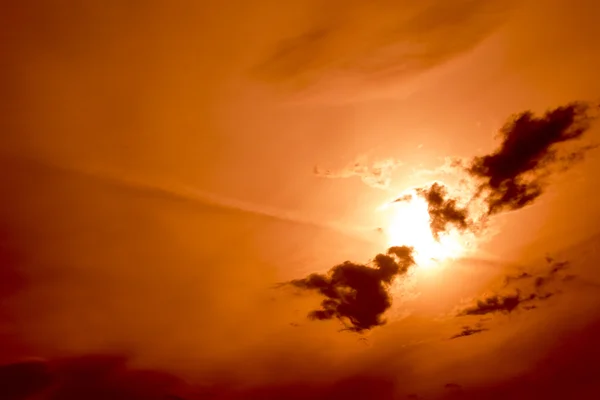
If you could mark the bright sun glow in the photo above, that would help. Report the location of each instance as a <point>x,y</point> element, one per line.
<point>409,225</point>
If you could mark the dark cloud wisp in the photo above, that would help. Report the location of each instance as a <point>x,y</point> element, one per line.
<point>540,287</point>
<point>531,147</point>
<point>443,210</point>
<point>93,377</point>
<point>498,304</point>
<point>358,294</point>
<point>468,331</point>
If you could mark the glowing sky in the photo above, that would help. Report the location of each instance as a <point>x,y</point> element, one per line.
<point>165,167</point>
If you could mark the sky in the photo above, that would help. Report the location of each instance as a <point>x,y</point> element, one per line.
<point>304,199</point>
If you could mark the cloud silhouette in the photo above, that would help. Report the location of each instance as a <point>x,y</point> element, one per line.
<point>511,177</point>
<point>537,290</point>
<point>444,211</point>
<point>515,174</point>
<point>498,304</point>
<point>553,274</point>
<point>468,331</point>
<point>357,293</point>
<point>509,279</point>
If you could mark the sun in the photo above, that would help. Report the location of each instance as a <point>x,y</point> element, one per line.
<point>408,224</point>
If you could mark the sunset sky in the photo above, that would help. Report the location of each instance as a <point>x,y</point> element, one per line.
<point>181,183</point>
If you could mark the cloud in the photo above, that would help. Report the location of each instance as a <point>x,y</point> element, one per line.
<point>515,174</point>
<point>537,291</point>
<point>512,176</point>
<point>93,377</point>
<point>468,331</point>
<point>380,40</point>
<point>566,369</point>
<point>23,379</point>
<point>497,304</point>
<point>444,211</point>
<point>102,376</point>
<point>452,386</point>
<point>555,268</point>
<point>377,175</point>
<point>403,198</point>
<point>514,278</point>
<point>358,293</point>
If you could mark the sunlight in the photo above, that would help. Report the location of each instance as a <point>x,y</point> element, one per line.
<point>409,225</point>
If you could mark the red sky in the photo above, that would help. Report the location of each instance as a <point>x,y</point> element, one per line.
<point>158,180</point>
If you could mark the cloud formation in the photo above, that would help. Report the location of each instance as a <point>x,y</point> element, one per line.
<point>103,377</point>
<point>452,386</point>
<point>537,290</point>
<point>511,177</point>
<point>93,377</point>
<point>379,40</point>
<point>515,278</point>
<point>468,331</point>
<point>444,211</point>
<point>498,304</point>
<point>358,294</point>
<point>515,174</point>
<point>377,175</point>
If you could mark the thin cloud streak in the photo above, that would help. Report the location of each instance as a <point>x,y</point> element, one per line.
<point>182,192</point>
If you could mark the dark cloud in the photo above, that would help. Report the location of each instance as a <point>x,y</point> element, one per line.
<point>403,198</point>
<point>452,386</point>
<point>567,370</point>
<point>555,268</point>
<point>498,304</point>
<point>92,377</point>
<point>357,293</point>
<point>468,331</point>
<point>105,377</point>
<point>22,380</point>
<point>350,388</point>
<point>515,278</point>
<point>444,211</point>
<point>515,174</point>
<point>538,290</point>
<point>531,147</point>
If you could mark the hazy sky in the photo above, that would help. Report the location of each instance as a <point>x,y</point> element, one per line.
<point>164,165</point>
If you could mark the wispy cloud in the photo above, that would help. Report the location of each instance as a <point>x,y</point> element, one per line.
<point>468,331</point>
<point>371,42</point>
<point>537,288</point>
<point>377,174</point>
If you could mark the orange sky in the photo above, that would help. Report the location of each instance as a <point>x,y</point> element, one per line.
<point>158,179</point>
